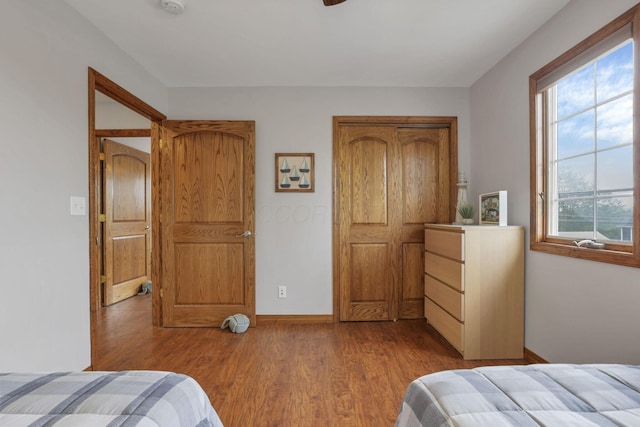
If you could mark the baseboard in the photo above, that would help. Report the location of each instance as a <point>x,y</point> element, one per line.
<point>263,319</point>
<point>531,357</point>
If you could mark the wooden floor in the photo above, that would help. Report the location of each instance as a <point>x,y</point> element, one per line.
<point>346,374</point>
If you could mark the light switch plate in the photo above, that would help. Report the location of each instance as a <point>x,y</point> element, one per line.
<point>78,205</point>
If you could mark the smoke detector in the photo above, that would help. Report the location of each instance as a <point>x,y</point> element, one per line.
<point>175,7</point>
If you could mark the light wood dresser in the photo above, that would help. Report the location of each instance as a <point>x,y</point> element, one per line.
<point>474,288</point>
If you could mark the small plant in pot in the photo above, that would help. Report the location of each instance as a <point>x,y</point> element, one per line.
<point>466,211</point>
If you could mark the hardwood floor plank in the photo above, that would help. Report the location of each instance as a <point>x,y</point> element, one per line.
<point>283,374</point>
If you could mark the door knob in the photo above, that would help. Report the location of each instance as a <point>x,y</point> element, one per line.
<point>148,227</point>
<point>245,234</point>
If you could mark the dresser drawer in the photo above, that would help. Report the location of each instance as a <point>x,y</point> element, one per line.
<point>449,299</point>
<point>446,270</point>
<point>443,322</point>
<point>445,243</point>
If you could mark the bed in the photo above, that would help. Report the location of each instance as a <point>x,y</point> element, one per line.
<point>87,399</point>
<point>528,395</point>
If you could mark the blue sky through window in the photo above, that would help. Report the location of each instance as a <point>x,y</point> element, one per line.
<point>594,138</point>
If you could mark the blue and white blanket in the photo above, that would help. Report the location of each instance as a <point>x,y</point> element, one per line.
<point>531,395</point>
<point>87,399</point>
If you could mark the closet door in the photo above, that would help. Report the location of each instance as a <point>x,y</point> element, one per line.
<point>392,175</point>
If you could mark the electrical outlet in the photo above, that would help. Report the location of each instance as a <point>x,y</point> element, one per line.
<point>282,291</point>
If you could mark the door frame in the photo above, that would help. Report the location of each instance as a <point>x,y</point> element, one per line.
<point>409,121</point>
<point>100,83</point>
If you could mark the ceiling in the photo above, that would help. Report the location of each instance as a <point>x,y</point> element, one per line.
<point>425,43</point>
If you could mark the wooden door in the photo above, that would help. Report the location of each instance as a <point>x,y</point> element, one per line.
<point>392,176</point>
<point>207,221</point>
<point>127,218</point>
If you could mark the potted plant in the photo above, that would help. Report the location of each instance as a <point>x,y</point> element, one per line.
<point>466,211</point>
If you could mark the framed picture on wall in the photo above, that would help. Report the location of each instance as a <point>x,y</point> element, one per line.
<point>295,172</point>
<point>493,208</point>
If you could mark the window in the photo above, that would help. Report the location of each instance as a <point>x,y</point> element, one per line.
<point>585,163</point>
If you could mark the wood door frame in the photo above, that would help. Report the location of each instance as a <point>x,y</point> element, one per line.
<point>414,121</point>
<point>102,84</point>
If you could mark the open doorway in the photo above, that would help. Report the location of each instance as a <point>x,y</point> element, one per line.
<point>125,200</point>
<point>182,166</point>
<point>116,114</point>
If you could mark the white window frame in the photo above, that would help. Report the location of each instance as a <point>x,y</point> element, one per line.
<point>615,252</point>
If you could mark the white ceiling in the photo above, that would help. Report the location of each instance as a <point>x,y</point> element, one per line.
<point>429,43</point>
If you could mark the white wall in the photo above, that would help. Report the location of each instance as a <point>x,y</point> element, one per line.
<point>293,230</point>
<point>46,48</point>
<point>113,115</point>
<point>576,311</point>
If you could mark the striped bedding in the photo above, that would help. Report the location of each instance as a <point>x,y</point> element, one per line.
<point>128,398</point>
<point>532,395</point>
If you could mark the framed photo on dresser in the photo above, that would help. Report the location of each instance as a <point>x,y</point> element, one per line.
<point>493,208</point>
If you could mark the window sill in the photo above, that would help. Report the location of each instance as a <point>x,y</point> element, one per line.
<point>609,256</point>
